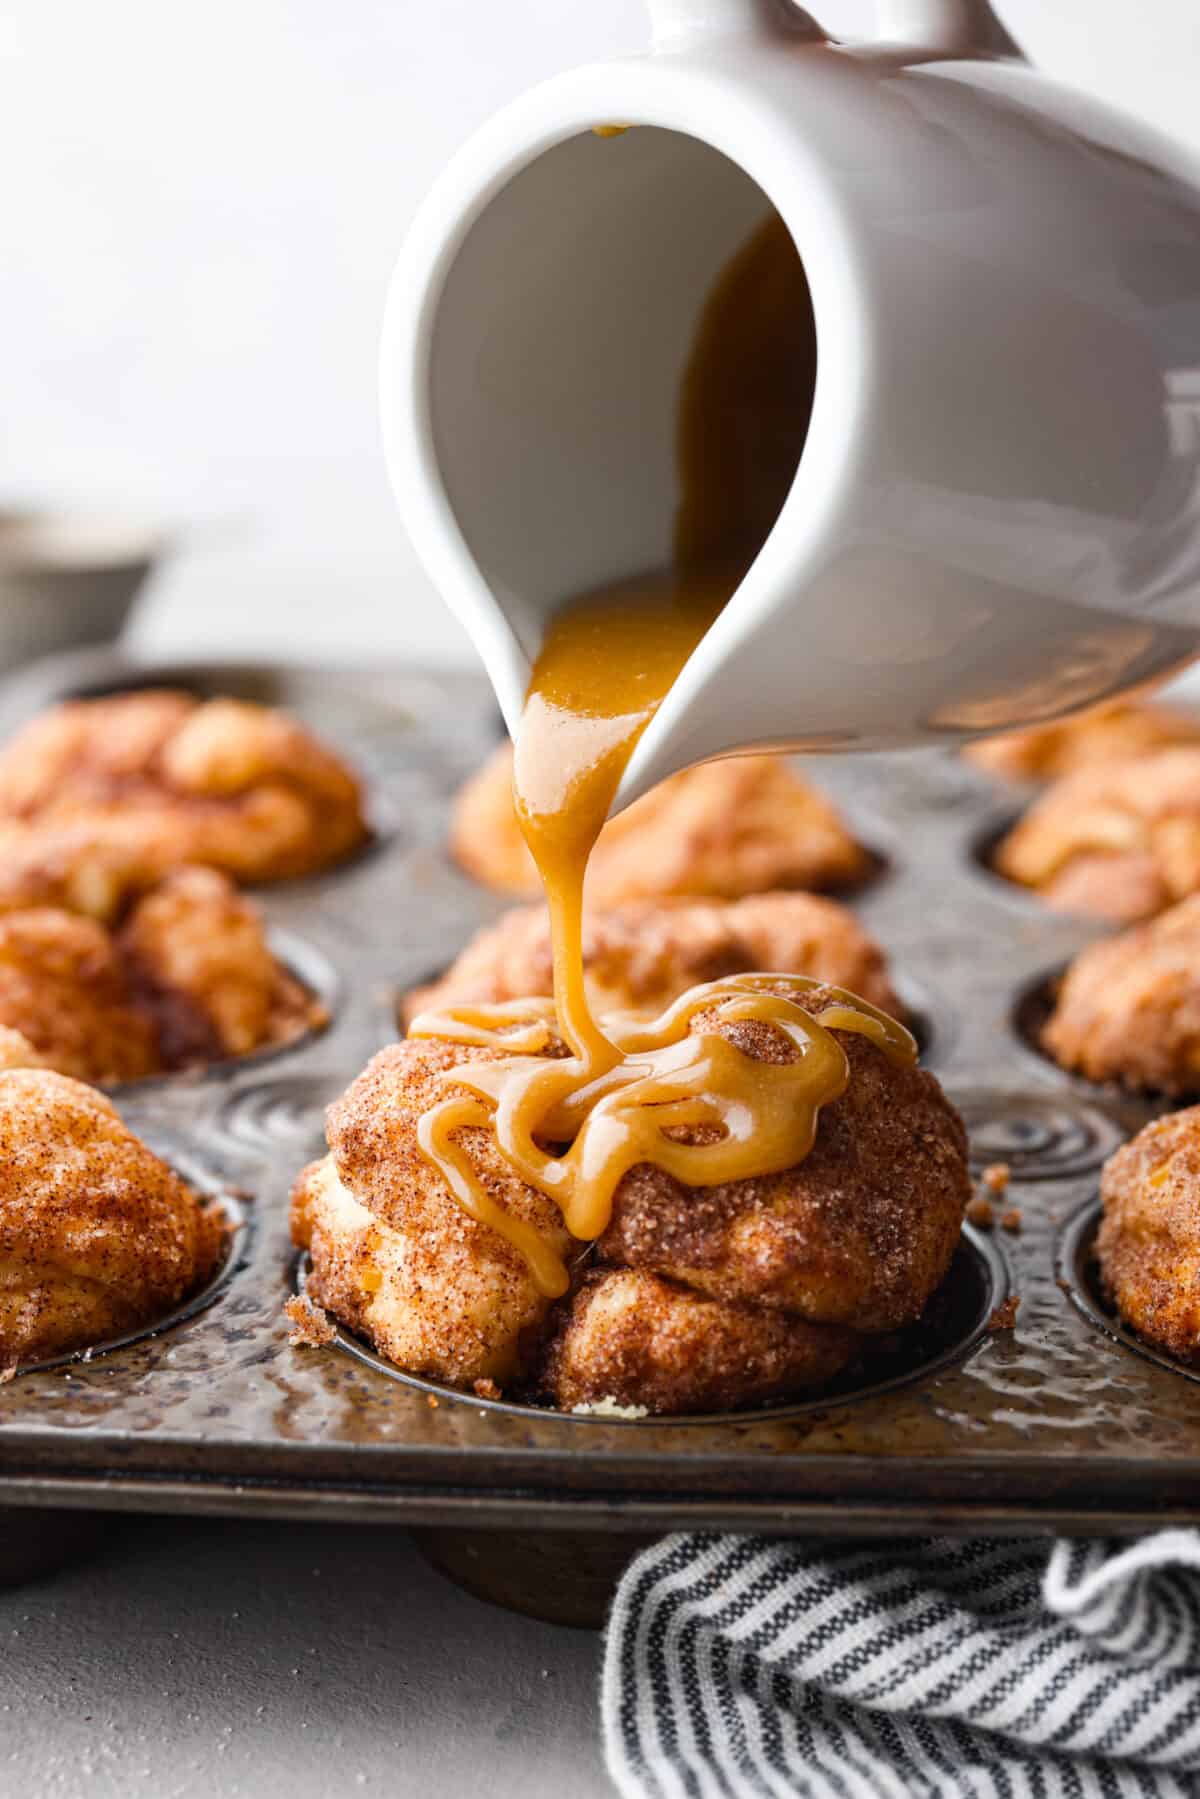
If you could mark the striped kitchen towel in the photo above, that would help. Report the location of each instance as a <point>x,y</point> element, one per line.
<point>942,1668</point>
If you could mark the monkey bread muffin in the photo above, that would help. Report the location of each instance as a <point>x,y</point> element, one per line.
<point>98,1236</point>
<point>692,1297</point>
<point>1110,733</point>
<point>1128,1007</point>
<point>1121,841</point>
<point>722,829</point>
<point>1149,1241</point>
<point>139,783</point>
<point>640,956</point>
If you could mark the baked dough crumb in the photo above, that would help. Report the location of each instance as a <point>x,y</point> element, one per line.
<point>1004,1318</point>
<point>313,1328</point>
<point>608,1407</point>
<point>981,1213</point>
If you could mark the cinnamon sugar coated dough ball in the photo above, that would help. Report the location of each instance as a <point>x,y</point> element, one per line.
<point>393,1253</point>
<point>16,1051</point>
<point>1149,1240</point>
<point>190,978</point>
<point>64,988</point>
<point>91,868</point>
<point>1110,733</point>
<point>137,784</point>
<point>1120,842</point>
<point>644,1342</point>
<point>198,953</point>
<point>97,1235</point>
<point>744,825</point>
<point>1128,1008</point>
<point>852,1240</point>
<point>860,1233</point>
<point>641,956</point>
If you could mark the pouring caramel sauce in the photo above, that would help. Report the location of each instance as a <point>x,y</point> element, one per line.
<point>630,1090</point>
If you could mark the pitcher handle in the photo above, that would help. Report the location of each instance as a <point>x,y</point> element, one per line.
<point>958,25</point>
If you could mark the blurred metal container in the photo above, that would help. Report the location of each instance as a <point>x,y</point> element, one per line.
<point>69,577</point>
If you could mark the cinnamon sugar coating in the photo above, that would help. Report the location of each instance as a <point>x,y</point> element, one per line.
<point>744,825</point>
<point>97,1235</point>
<point>853,1239</point>
<point>1121,841</point>
<point>641,956</point>
<point>188,979</point>
<point>859,1233</point>
<point>199,960</point>
<point>1109,733</point>
<point>1128,1008</point>
<point>641,1340</point>
<point>394,1255</point>
<point>64,988</point>
<point>137,784</point>
<point>1149,1240</point>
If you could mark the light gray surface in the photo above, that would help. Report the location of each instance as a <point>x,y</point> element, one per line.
<point>272,1661</point>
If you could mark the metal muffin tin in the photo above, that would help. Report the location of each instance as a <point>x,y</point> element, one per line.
<point>1064,1422</point>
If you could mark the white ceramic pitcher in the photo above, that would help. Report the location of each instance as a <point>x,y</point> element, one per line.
<point>996,514</point>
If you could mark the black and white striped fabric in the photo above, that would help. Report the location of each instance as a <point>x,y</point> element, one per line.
<point>759,1669</point>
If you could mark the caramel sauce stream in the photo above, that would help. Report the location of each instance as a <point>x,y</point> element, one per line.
<point>629,1090</point>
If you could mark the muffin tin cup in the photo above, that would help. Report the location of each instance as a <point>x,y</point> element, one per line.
<point>952,1326</point>
<point>1042,1422</point>
<point>233,1253</point>
<point>1079,1276</point>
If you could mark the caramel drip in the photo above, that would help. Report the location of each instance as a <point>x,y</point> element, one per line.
<point>679,1091</point>
<point>605,668</point>
<point>574,1133</point>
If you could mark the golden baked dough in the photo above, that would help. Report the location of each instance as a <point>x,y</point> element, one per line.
<point>640,956</point>
<point>1128,1008</point>
<point>94,868</point>
<point>860,1233</point>
<point>147,781</point>
<point>189,979</point>
<point>1149,1241</point>
<point>1109,733</point>
<point>857,1236</point>
<point>636,1340</point>
<point>744,825</point>
<point>1120,842</point>
<point>393,1253</point>
<point>16,1051</point>
<point>199,959</point>
<point>97,1235</point>
<point>64,988</point>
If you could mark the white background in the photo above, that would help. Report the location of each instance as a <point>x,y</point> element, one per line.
<point>201,204</point>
